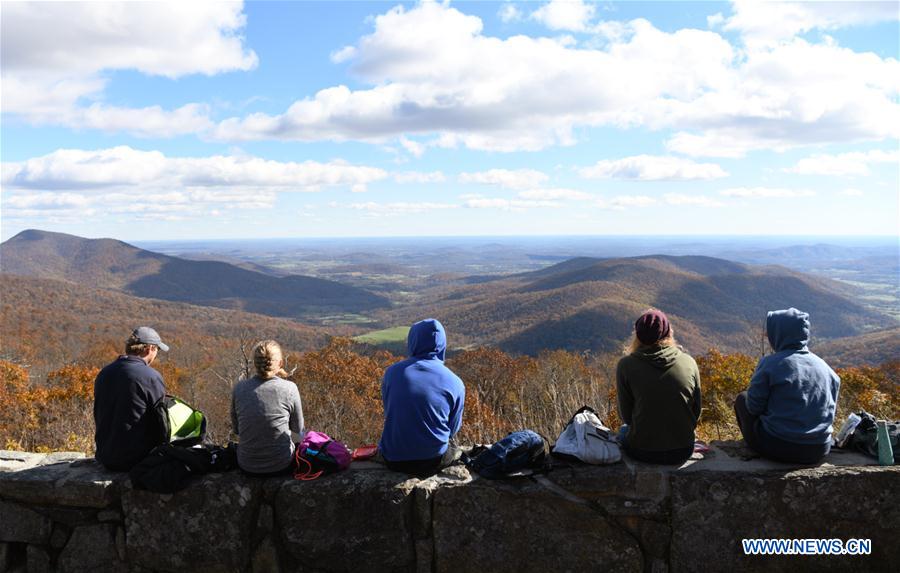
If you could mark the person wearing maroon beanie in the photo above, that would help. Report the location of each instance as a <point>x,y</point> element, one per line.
<point>659,397</point>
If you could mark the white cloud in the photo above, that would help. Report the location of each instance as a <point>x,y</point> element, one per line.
<point>852,193</point>
<point>509,179</point>
<point>509,13</point>
<point>766,23</point>
<point>625,201</point>
<point>344,54</point>
<point>766,192</point>
<point>555,194</point>
<point>792,95</point>
<point>156,205</point>
<point>433,72</point>
<point>854,163</point>
<point>144,171</point>
<point>507,204</point>
<point>573,15</point>
<point>398,208</point>
<point>45,201</point>
<point>698,200</point>
<point>172,39</point>
<point>414,148</point>
<point>652,168</point>
<point>419,177</point>
<point>54,55</point>
<point>715,20</point>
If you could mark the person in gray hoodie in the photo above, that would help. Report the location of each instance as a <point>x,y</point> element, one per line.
<point>658,387</point>
<point>787,412</point>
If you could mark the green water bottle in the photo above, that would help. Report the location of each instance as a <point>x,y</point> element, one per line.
<point>885,452</point>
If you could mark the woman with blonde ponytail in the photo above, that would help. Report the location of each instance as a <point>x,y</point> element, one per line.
<point>265,410</point>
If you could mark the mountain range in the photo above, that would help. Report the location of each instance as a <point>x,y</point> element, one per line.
<point>112,264</point>
<point>590,304</point>
<point>579,304</point>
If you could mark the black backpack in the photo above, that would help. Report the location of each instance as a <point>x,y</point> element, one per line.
<point>519,453</point>
<point>865,436</point>
<point>169,468</point>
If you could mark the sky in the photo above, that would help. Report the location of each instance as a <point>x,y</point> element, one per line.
<point>203,120</point>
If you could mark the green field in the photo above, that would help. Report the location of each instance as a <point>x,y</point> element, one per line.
<point>391,335</point>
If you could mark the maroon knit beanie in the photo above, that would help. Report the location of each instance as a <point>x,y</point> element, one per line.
<point>652,327</point>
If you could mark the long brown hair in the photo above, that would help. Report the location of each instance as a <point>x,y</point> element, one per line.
<point>636,344</point>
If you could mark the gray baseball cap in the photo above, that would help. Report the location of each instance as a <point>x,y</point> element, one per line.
<point>147,335</point>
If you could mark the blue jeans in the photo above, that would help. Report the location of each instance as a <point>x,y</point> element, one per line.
<point>770,446</point>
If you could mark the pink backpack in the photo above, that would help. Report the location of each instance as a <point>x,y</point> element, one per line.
<point>318,454</point>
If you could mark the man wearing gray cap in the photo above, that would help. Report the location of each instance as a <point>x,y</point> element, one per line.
<point>124,394</point>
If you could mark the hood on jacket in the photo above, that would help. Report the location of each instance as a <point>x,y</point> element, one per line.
<point>787,329</point>
<point>427,339</point>
<point>661,357</point>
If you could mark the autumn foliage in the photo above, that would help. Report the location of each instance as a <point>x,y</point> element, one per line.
<point>340,385</point>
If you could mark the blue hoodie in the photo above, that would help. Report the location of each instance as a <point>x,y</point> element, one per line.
<point>423,399</point>
<point>793,391</point>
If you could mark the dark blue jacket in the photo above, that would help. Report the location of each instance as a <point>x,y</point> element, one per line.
<point>124,393</point>
<point>793,391</point>
<point>423,399</point>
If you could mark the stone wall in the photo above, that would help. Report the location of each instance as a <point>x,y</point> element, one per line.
<point>61,512</point>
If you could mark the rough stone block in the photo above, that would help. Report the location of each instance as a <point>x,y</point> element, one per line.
<point>108,515</point>
<point>351,521</point>
<point>5,557</point>
<point>424,555</point>
<point>11,460</point>
<point>424,494</point>
<point>60,536</point>
<point>71,516</point>
<point>620,489</point>
<point>266,520</point>
<point>210,524</point>
<point>265,558</point>
<point>521,526</point>
<point>655,538</point>
<point>37,560</point>
<point>81,484</point>
<point>91,548</point>
<point>19,523</point>
<point>61,457</point>
<point>651,483</point>
<point>719,509</point>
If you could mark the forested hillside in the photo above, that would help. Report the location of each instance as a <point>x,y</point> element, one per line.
<point>589,304</point>
<point>107,263</point>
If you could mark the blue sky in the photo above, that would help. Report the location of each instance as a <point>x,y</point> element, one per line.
<point>146,121</point>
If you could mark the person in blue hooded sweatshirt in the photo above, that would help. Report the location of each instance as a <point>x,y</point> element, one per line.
<point>423,405</point>
<point>787,412</point>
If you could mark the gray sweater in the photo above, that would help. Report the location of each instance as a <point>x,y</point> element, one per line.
<point>263,414</point>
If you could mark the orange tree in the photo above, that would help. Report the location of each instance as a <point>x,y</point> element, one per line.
<point>18,412</point>
<point>341,391</point>
<point>495,383</point>
<point>875,389</point>
<point>722,377</point>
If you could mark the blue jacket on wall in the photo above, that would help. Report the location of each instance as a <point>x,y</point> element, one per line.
<point>423,399</point>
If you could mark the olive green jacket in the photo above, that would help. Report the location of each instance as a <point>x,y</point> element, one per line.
<point>659,398</point>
